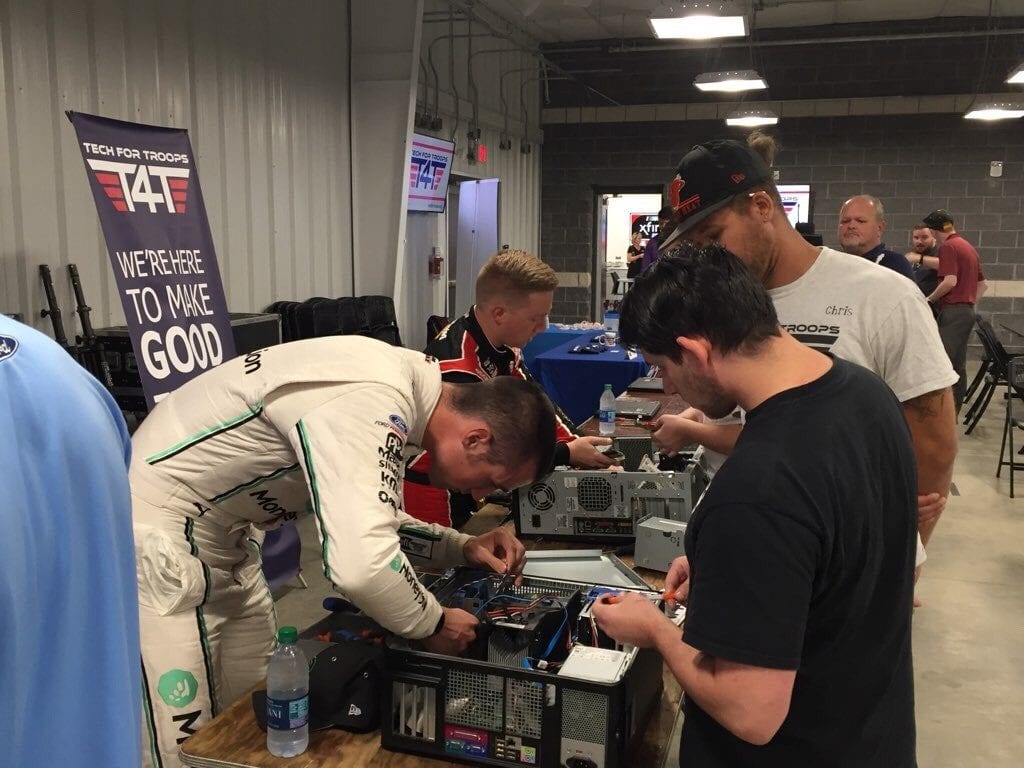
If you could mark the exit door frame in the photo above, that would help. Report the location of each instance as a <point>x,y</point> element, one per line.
<point>596,270</point>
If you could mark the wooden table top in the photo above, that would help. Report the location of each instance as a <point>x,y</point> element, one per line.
<point>670,404</point>
<point>233,740</point>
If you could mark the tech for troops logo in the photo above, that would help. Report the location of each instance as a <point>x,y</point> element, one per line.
<point>130,184</point>
<point>177,688</point>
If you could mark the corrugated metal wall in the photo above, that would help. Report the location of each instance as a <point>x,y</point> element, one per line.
<point>262,87</point>
<point>519,196</point>
<point>510,73</point>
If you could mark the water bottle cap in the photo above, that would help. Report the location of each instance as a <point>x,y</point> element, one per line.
<point>607,386</point>
<point>287,635</point>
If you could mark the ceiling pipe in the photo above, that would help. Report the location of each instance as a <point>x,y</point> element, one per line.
<point>451,73</point>
<point>433,68</point>
<point>644,47</point>
<point>474,92</point>
<point>522,104</point>
<point>501,89</point>
<point>471,10</point>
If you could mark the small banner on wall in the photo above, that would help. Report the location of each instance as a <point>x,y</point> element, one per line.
<point>644,223</point>
<point>147,194</point>
<point>430,166</point>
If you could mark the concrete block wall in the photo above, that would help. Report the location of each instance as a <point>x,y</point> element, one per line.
<point>913,163</point>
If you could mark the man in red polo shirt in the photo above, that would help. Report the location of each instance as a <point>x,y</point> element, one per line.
<point>961,284</point>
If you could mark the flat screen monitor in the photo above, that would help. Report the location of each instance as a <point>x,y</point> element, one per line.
<point>430,166</point>
<point>796,200</point>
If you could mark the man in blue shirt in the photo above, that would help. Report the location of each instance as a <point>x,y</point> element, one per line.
<point>861,224</point>
<point>68,603</point>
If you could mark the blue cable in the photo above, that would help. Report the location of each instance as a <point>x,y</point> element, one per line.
<point>461,591</point>
<point>558,634</point>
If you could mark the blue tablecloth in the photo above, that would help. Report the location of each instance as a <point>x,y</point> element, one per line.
<point>576,382</point>
<point>547,339</point>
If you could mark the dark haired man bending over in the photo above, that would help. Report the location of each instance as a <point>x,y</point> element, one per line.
<point>798,574</point>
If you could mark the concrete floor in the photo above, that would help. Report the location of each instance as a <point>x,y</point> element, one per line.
<point>968,636</point>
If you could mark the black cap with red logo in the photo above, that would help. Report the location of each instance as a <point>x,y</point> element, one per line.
<point>709,176</point>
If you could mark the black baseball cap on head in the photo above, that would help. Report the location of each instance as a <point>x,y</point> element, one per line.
<point>710,176</point>
<point>938,219</point>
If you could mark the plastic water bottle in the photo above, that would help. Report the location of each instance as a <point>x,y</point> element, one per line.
<point>606,414</point>
<point>287,697</point>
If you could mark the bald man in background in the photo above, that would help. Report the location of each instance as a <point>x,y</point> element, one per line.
<point>861,224</point>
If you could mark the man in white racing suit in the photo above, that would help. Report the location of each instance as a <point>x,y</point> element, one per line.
<point>323,425</point>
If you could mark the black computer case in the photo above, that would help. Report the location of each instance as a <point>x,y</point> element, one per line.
<point>500,711</point>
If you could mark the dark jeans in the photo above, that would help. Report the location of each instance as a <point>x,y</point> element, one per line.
<point>955,323</point>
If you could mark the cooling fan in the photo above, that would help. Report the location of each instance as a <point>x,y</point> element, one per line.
<point>542,496</point>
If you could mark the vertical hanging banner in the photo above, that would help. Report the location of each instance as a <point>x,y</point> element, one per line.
<point>147,194</point>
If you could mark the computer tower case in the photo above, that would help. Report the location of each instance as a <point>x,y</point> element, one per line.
<point>504,706</point>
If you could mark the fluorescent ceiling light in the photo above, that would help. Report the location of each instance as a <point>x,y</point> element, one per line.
<point>997,111</point>
<point>1017,76</point>
<point>752,118</point>
<point>696,21</point>
<point>731,82</point>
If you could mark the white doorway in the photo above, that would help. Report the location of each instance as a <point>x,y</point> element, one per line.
<point>620,215</point>
<point>476,239</point>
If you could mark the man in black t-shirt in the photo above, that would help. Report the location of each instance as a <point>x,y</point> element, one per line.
<point>798,575</point>
<point>923,261</point>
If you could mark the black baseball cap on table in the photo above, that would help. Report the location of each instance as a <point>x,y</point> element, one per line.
<point>709,176</point>
<point>344,685</point>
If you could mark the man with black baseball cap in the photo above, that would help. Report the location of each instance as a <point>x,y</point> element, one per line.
<point>961,284</point>
<point>829,300</point>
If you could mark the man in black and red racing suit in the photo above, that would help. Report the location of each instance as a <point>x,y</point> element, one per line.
<point>514,293</point>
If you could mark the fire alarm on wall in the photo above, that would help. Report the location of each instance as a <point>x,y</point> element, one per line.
<point>995,169</point>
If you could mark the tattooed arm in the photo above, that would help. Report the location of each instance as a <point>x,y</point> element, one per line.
<point>933,429</point>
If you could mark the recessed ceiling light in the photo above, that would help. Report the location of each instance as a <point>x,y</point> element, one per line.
<point>752,118</point>
<point>1017,76</point>
<point>730,82</point>
<point>995,111</point>
<point>696,21</point>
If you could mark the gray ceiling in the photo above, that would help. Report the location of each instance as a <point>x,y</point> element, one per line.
<point>555,21</point>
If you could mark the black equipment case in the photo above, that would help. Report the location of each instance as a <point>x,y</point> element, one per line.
<point>250,331</point>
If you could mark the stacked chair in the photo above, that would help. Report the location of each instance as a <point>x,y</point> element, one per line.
<point>372,316</point>
<point>1014,418</point>
<point>995,366</point>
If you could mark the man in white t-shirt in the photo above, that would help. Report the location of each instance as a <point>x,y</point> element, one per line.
<point>832,301</point>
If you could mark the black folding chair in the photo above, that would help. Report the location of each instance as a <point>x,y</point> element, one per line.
<point>986,363</point>
<point>995,376</point>
<point>1014,418</point>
